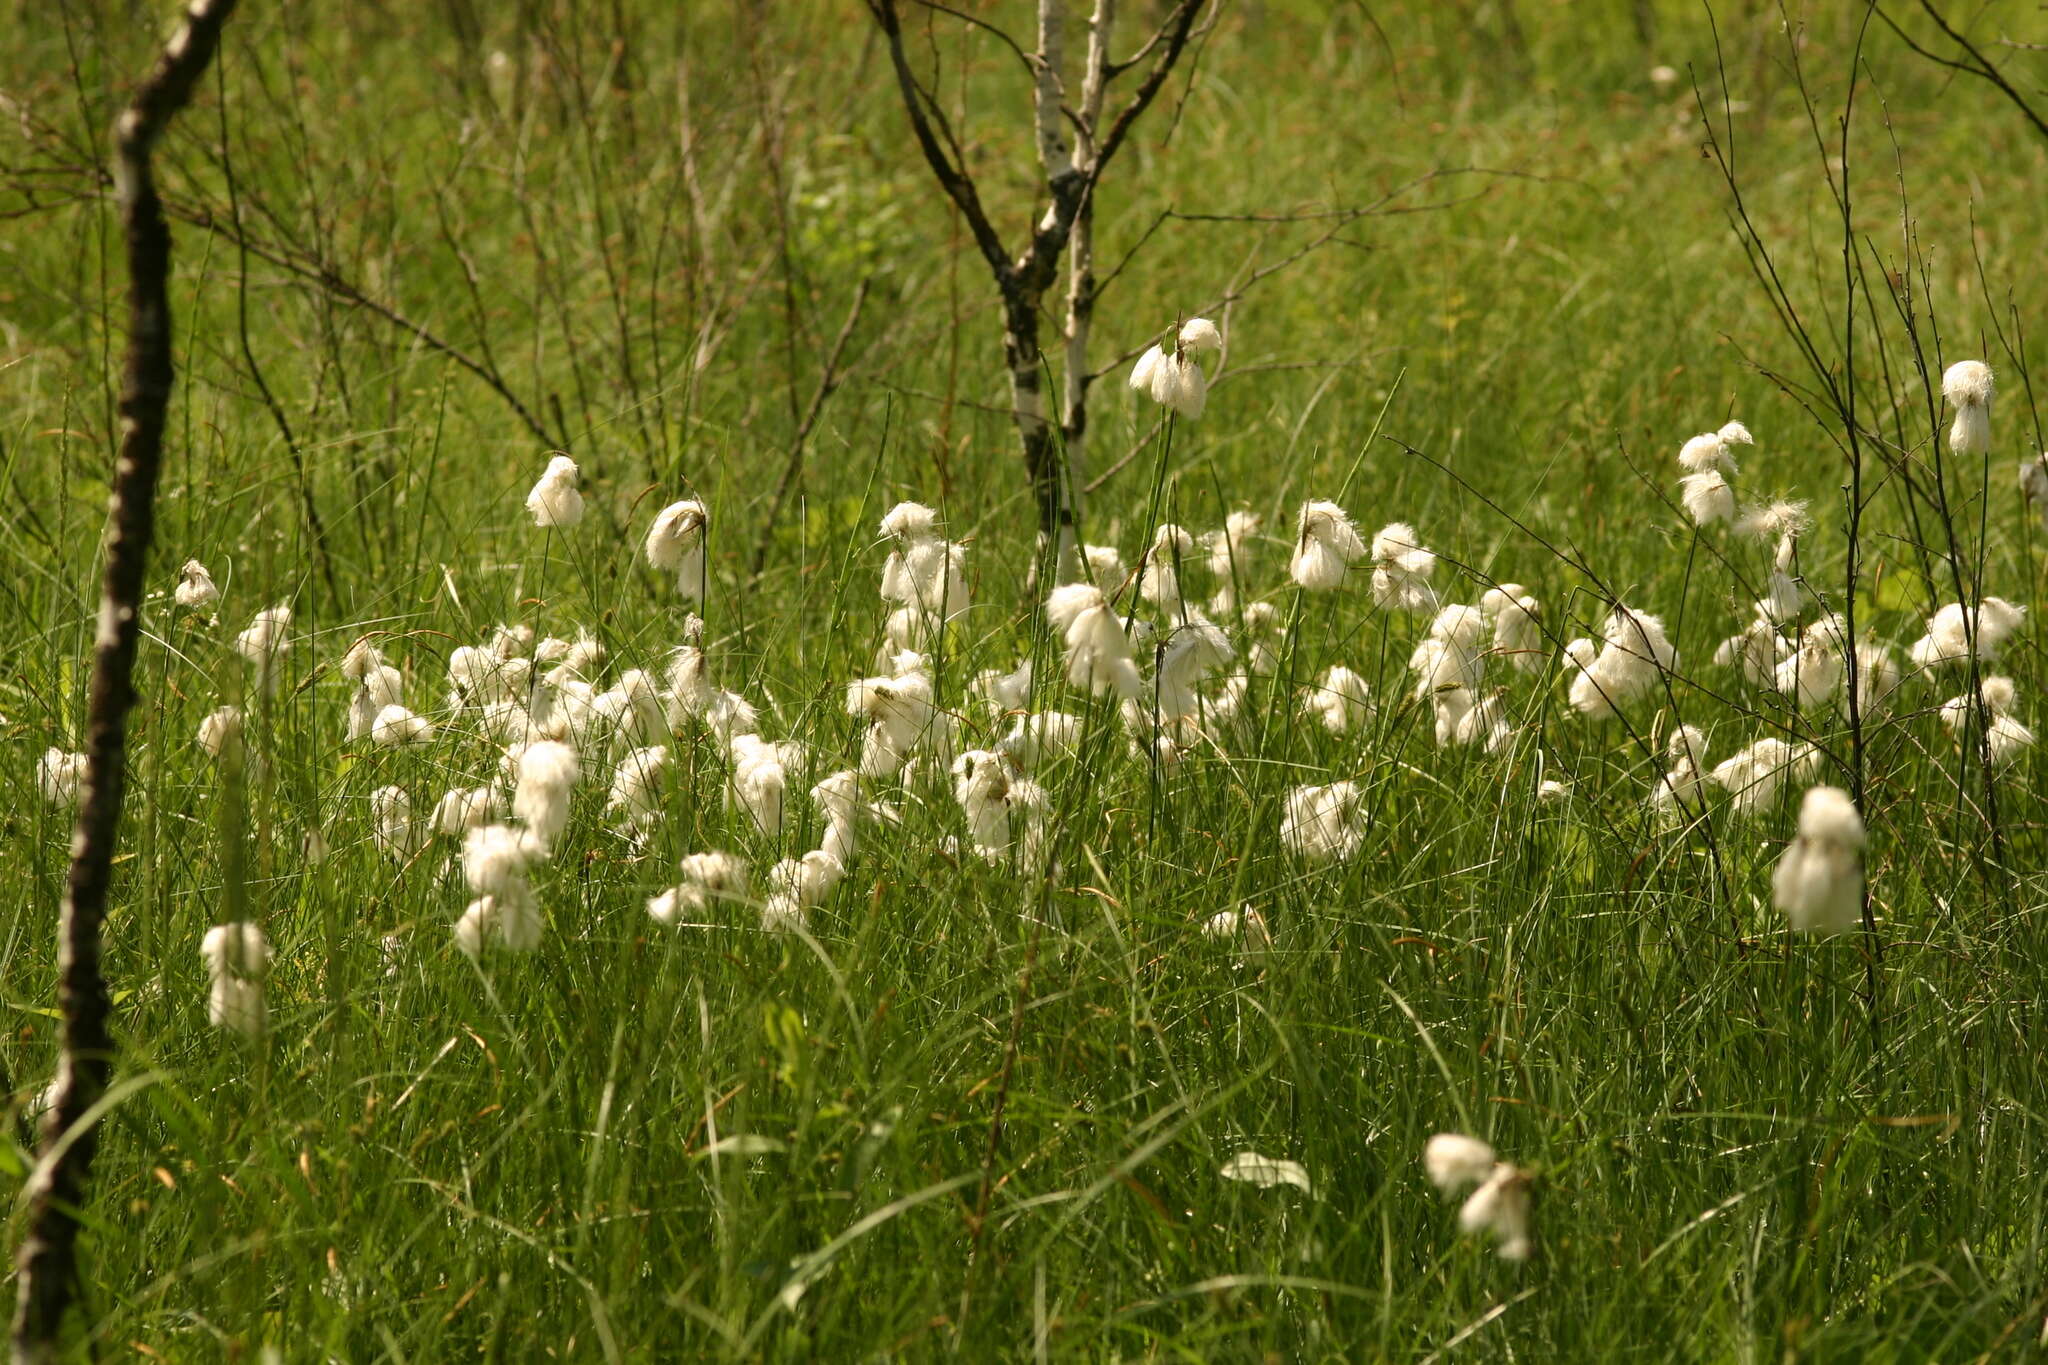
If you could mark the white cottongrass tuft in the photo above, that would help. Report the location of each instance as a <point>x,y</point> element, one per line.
<point>1517,626</point>
<point>2034,485</point>
<point>1326,545</point>
<point>1819,880</point>
<point>1633,654</point>
<point>1812,673</point>
<point>1229,549</point>
<point>1679,788</point>
<point>220,732</point>
<point>237,958</point>
<point>1708,451</point>
<point>1951,628</point>
<point>1005,692</point>
<point>760,779</point>
<point>898,711</point>
<point>464,809</point>
<point>1006,814</point>
<point>1172,378</point>
<point>1968,387</point>
<point>796,886</point>
<point>1193,650</point>
<point>1500,1204</point>
<point>392,827</point>
<point>1753,776</point>
<point>1098,651</point>
<point>675,544</point>
<point>1341,701</point>
<point>395,726</point>
<point>2005,736</point>
<point>1324,824</point>
<point>636,787</point>
<point>1264,1172</point>
<point>1159,571</point>
<point>1244,925</point>
<point>1401,568</point>
<point>195,590</point>
<point>553,500</point>
<point>60,777</point>
<point>1039,737</point>
<point>265,642</point>
<point>1105,568</point>
<point>706,877</point>
<point>1707,497</point>
<point>547,772</point>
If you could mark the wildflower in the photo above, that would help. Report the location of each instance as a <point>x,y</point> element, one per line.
<point>237,958</point>
<point>1042,735</point>
<point>547,772</point>
<point>1877,674</point>
<point>1819,881</point>
<point>264,643</point>
<point>705,877</point>
<point>847,814</point>
<point>1006,814</point>
<point>464,809</point>
<point>926,574</point>
<point>1679,788</point>
<point>760,777</point>
<point>495,859</point>
<point>1709,450</point>
<point>195,590</point>
<point>61,777</point>
<point>1707,497</point>
<point>728,715</point>
<point>1634,653</point>
<point>636,786</point>
<point>392,828</point>
<point>1775,520</point>
<point>511,921</point>
<point>1517,625</point>
<point>1324,824</point>
<point>554,500</point>
<point>1401,570</point>
<point>1265,1172</point>
<point>1326,544</point>
<point>1244,924</point>
<point>1098,651</point>
<point>1753,776</point>
<point>1968,387</point>
<point>1193,650</point>
<point>675,544</point>
<point>1005,692</point>
<point>1951,628</point>
<point>632,712</point>
<point>1454,1161</point>
<point>796,885</point>
<point>898,711</point>
<point>1159,568</point>
<point>511,642</point>
<point>220,733</point>
<point>1341,701</point>
<point>1106,569</point>
<point>1499,1205</point>
<point>1172,378</point>
<point>394,726</point>
<point>2005,736</point>
<point>1550,792</point>
<point>2034,484</point>
<point>1448,657</point>
<point>1813,671</point>
<point>1756,651</point>
<point>1228,555</point>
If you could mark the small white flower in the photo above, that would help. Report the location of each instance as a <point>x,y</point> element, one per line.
<point>1968,387</point>
<point>61,777</point>
<point>1707,497</point>
<point>1324,824</point>
<point>195,590</point>
<point>265,642</point>
<point>1098,651</point>
<point>1455,1161</point>
<point>1341,701</point>
<point>1326,545</point>
<point>547,772</point>
<point>394,726</point>
<point>554,500</point>
<point>462,810</point>
<point>1401,570</point>
<point>1819,881</point>
<point>392,828</point>
<point>675,544</point>
<point>1265,1172</point>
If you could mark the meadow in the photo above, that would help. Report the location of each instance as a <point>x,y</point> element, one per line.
<point>1091,965</point>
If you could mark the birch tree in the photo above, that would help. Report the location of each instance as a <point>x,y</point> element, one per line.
<point>1076,143</point>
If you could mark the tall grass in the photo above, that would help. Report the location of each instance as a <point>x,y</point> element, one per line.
<point>995,1108</point>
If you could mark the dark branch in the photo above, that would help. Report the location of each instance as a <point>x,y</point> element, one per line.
<point>46,1265</point>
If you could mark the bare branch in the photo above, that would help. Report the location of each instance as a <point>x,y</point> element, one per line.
<point>1983,68</point>
<point>46,1265</point>
<point>1176,30</point>
<point>952,177</point>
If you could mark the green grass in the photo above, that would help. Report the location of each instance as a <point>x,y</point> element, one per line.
<point>1739,1154</point>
